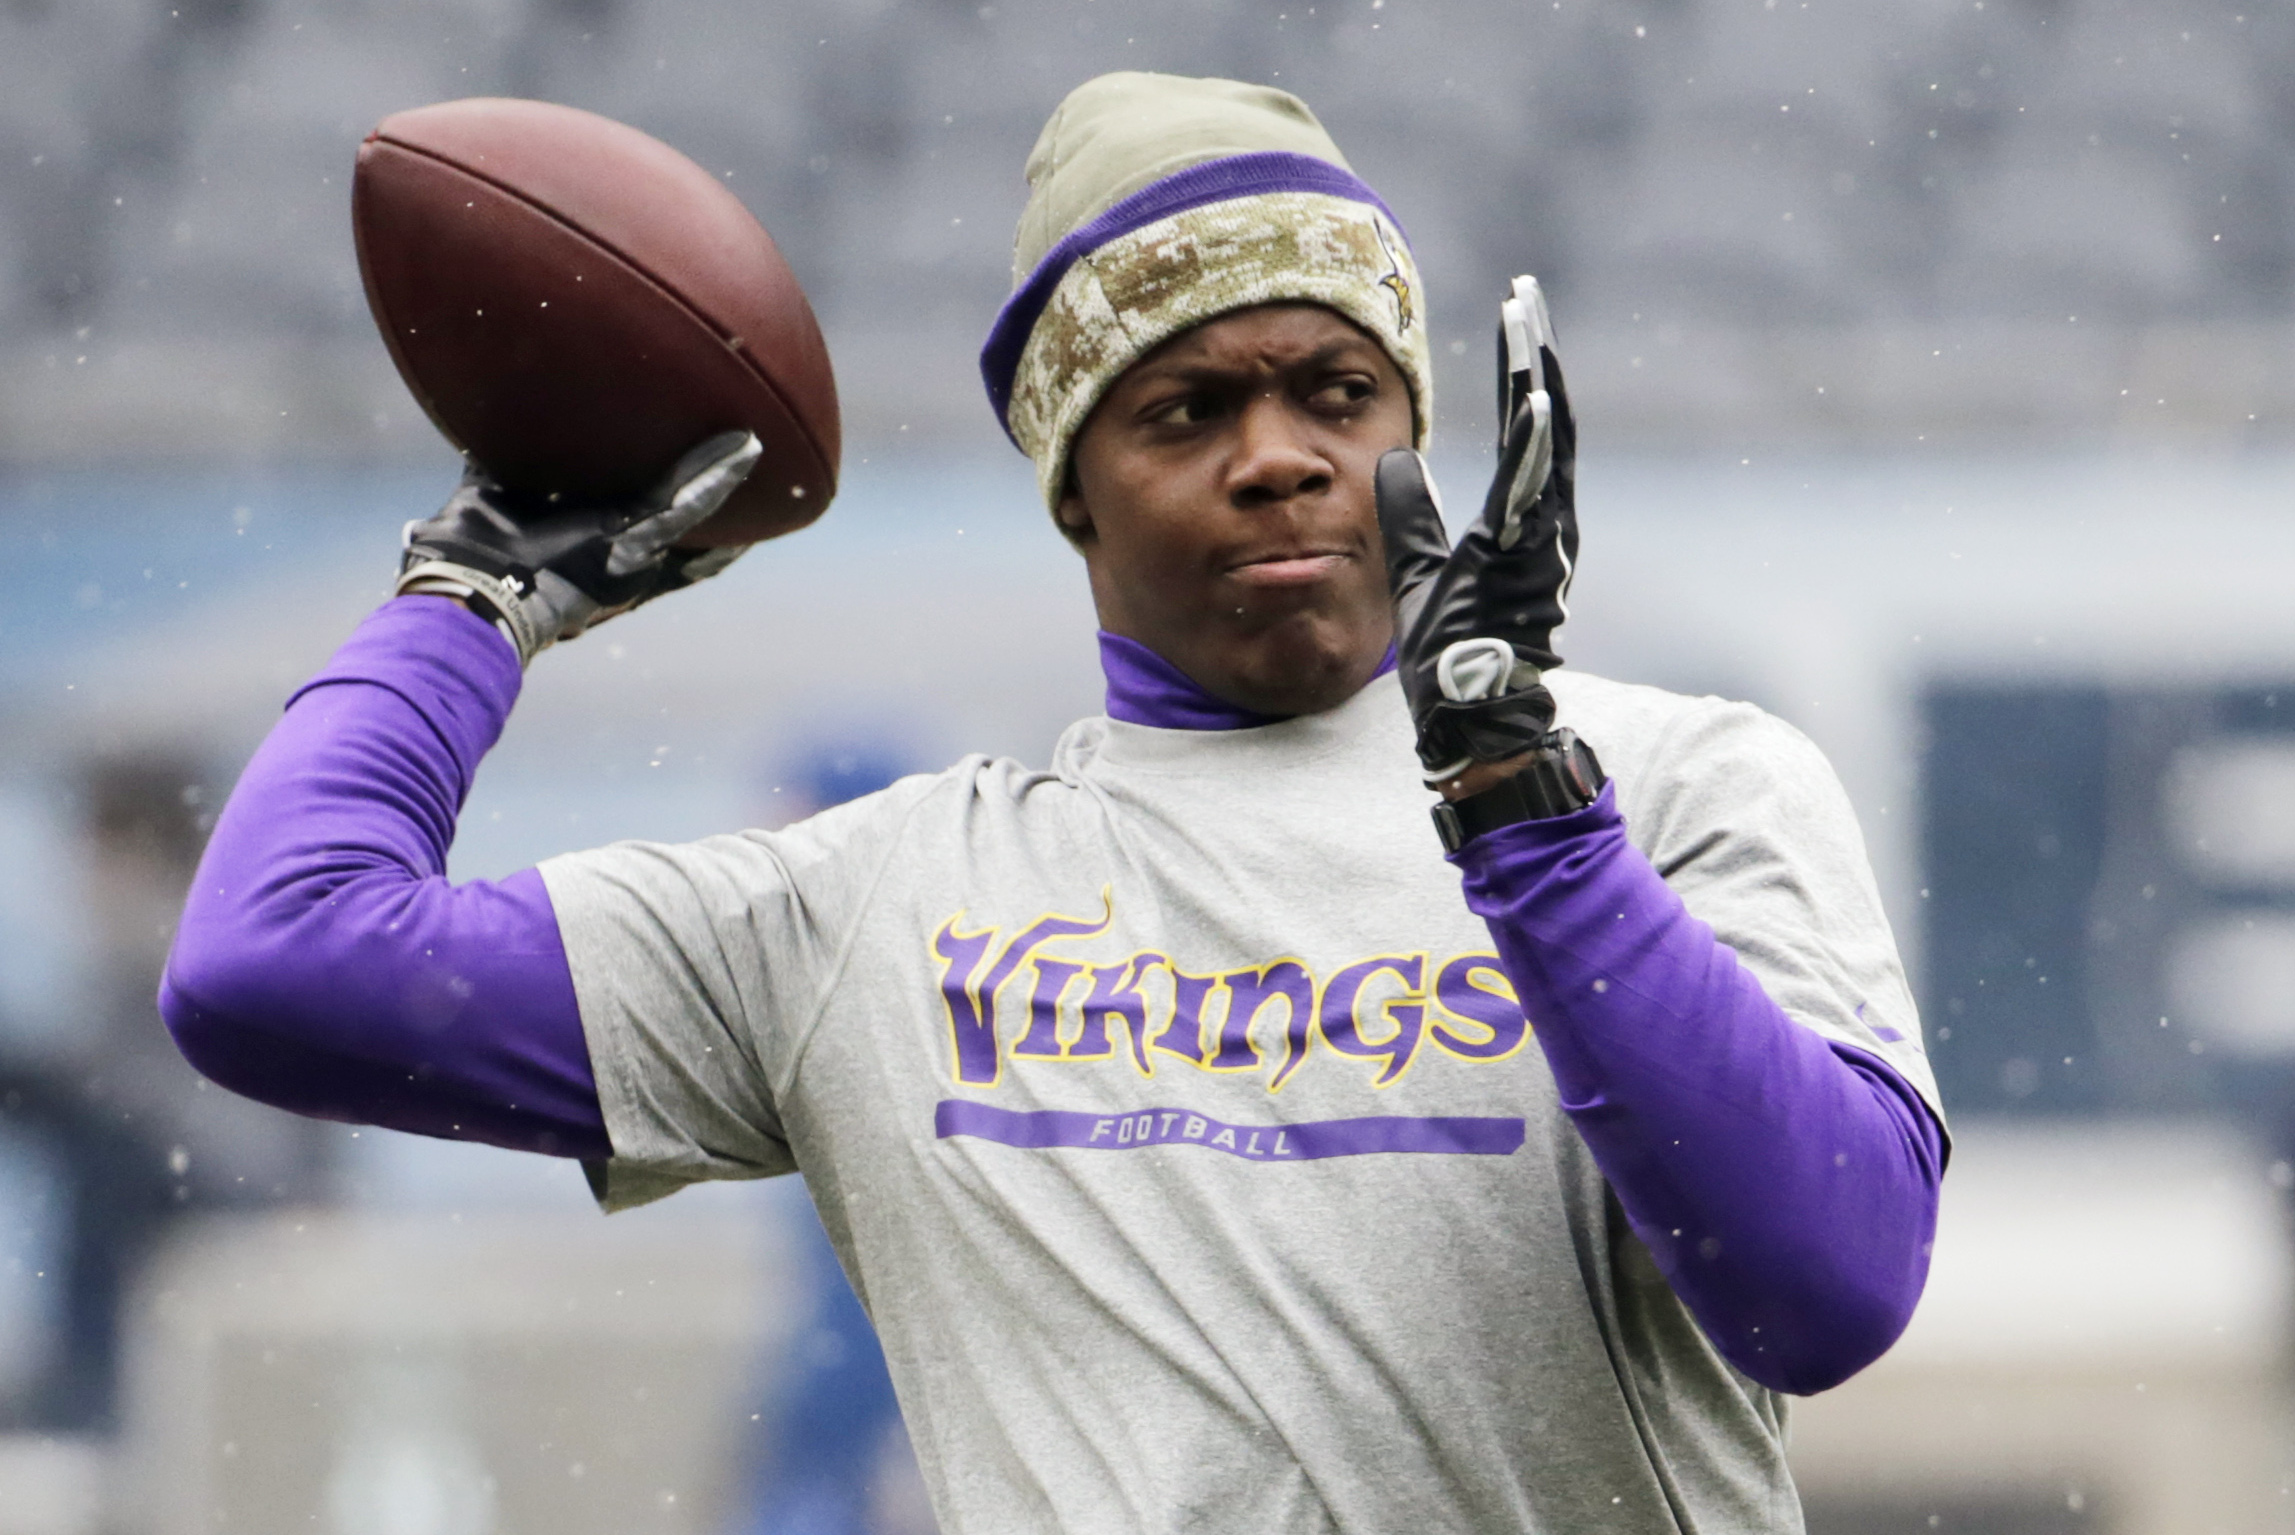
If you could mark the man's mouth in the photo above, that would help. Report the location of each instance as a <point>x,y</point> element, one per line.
<point>1302,568</point>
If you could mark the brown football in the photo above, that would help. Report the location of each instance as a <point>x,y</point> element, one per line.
<point>575,304</point>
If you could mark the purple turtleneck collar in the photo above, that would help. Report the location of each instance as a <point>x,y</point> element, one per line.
<point>1145,689</point>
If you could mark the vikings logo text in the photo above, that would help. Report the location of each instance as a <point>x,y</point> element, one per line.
<point>1028,997</point>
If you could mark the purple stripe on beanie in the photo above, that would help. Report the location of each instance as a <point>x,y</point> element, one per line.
<point>1146,689</point>
<point>325,965</point>
<point>1786,1184</point>
<point>1213,181</point>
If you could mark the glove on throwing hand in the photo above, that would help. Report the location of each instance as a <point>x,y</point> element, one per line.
<point>542,571</point>
<point>1474,625</point>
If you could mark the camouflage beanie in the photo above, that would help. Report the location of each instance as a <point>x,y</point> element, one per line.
<point>1157,203</point>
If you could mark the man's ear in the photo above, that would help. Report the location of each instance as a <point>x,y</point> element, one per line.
<point>1074,518</point>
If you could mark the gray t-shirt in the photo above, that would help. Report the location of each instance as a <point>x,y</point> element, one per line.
<point>1176,1125</point>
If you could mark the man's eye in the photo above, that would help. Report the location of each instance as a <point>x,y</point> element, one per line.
<point>1340,393</point>
<point>1187,410</point>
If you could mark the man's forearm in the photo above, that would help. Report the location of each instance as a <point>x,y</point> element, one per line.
<point>324,963</point>
<point>1786,1185</point>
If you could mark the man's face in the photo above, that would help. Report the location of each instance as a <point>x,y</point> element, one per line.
<point>1221,494</point>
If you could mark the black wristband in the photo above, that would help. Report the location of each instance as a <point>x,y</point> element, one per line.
<point>1562,776</point>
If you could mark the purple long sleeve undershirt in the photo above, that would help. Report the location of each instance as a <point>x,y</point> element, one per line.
<point>1145,689</point>
<point>1786,1186</point>
<point>325,965</point>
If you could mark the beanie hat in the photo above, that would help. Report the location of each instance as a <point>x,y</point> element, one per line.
<point>1157,203</point>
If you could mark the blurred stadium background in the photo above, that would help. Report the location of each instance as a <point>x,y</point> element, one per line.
<point>1936,372</point>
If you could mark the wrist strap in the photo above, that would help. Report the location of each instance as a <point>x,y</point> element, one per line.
<point>1562,776</point>
<point>493,598</point>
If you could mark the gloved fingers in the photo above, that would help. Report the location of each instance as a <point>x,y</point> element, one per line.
<point>1564,432</point>
<point>1525,342</point>
<point>1410,524</point>
<point>1475,622</point>
<point>686,566</point>
<point>701,483</point>
<point>1471,670</point>
<point>1561,496</point>
<point>714,469</point>
<point>1494,729</point>
<point>1532,475</point>
<point>1532,418</point>
<point>560,610</point>
<point>1565,424</point>
<point>678,568</point>
<point>1525,465</point>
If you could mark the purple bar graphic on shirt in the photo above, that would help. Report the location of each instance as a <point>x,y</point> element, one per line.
<point>1308,1142</point>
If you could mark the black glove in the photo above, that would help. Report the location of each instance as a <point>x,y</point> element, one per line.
<point>542,569</point>
<point>1474,626</point>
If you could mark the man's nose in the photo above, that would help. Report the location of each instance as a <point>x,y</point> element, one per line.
<point>1275,459</point>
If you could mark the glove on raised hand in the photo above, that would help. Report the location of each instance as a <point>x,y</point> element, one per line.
<point>542,570</point>
<point>1474,626</point>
